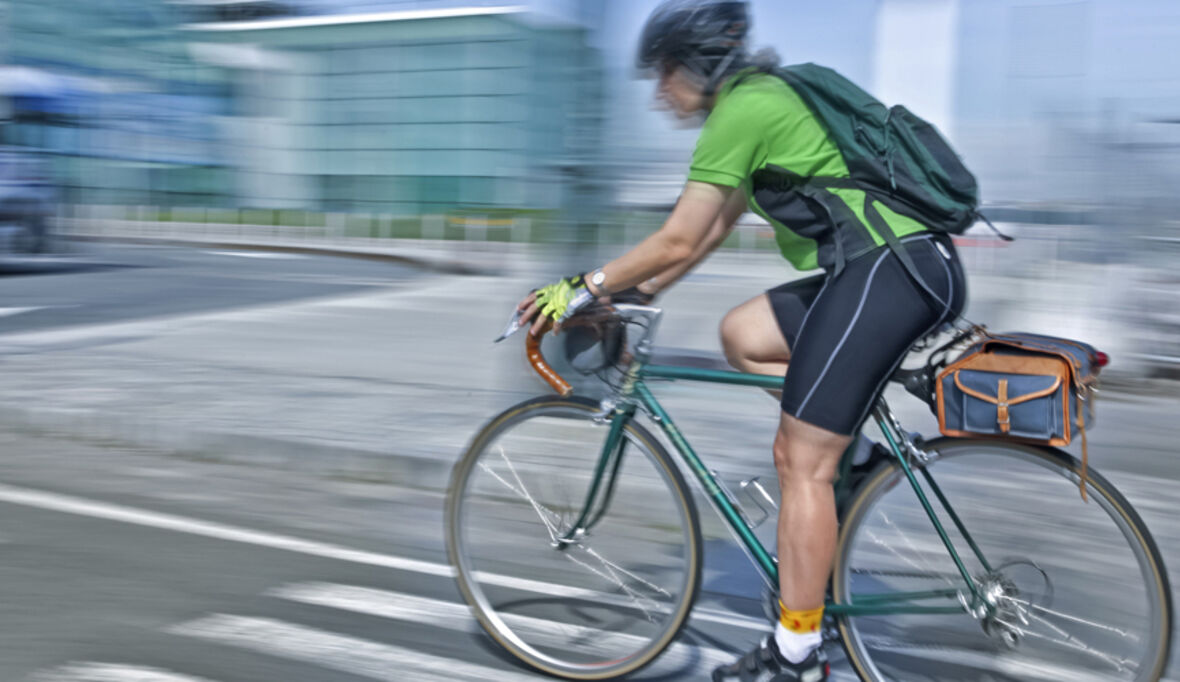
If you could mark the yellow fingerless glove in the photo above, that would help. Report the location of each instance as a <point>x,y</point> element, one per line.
<point>560,300</point>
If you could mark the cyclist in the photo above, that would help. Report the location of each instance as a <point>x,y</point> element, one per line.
<point>842,333</point>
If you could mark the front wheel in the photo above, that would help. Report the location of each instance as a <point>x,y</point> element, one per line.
<point>1071,591</point>
<point>596,605</point>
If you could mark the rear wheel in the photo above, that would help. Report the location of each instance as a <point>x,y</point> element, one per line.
<point>604,604</point>
<point>1074,591</point>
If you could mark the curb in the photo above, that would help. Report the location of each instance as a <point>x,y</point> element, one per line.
<point>228,448</point>
<point>446,266</point>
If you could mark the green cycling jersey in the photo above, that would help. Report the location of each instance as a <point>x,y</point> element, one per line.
<point>758,120</point>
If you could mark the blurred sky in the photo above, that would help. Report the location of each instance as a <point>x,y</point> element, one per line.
<point>1094,59</point>
<point>1036,96</point>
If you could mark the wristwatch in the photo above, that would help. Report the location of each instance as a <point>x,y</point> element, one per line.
<point>598,278</point>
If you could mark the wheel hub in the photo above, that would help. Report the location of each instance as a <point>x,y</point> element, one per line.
<point>1005,615</point>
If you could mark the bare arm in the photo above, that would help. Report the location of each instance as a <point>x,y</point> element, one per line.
<point>733,209</point>
<point>674,245</point>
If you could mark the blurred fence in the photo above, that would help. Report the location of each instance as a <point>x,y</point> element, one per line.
<point>1116,290</point>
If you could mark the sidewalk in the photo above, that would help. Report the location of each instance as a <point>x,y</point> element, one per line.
<point>377,385</point>
<point>382,386</point>
<point>457,257</point>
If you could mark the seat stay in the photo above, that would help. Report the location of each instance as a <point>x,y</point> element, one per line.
<point>955,517</point>
<point>897,439</point>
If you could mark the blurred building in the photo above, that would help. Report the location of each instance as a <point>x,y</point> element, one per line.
<point>272,104</point>
<point>406,112</point>
<point>106,91</point>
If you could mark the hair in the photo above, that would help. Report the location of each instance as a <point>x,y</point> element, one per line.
<point>765,60</point>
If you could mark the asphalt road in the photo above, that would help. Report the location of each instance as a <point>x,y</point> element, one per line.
<point>127,563</point>
<point>103,283</point>
<point>125,556</point>
<point>137,561</point>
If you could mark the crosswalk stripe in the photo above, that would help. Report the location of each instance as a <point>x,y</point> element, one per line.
<point>338,652</point>
<point>556,590</point>
<point>4,312</point>
<point>115,512</point>
<point>453,616</point>
<point>110,672</point>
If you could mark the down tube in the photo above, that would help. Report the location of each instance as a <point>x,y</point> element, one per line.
<point>716,494</point>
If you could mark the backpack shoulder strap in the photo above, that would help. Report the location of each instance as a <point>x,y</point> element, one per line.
<point>882,228</point>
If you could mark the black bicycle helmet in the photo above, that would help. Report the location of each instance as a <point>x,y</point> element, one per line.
<point>706,36</point>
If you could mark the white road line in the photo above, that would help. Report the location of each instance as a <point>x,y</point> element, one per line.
<point>536,631</point>
<point>176,323</point>
<point>5,312</point>
<point>338,652</point>
<point>1084,668</point>
<point>142,517</point>
<point>555,590</point>
<point>109,672</point>
<point>114,512</point>
<point>259,254</point>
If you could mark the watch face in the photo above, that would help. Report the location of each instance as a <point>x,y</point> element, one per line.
<point>598,278</point>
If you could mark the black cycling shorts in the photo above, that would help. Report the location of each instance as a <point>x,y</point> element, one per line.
<point>849,333</point>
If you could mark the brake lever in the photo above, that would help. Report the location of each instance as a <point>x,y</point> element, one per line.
<point>514,326</point>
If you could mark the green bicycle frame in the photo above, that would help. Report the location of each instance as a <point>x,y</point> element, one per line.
<point>635,393</point>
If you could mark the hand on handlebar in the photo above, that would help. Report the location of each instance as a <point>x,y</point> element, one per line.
<point>550,306</point>
<point>530,313</point>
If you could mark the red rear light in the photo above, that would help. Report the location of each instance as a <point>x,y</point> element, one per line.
<point>1101,359</point>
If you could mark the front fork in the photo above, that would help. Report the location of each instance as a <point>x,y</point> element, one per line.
<point>609,463</point>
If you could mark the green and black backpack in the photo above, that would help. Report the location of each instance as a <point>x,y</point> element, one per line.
<point>894,156</point>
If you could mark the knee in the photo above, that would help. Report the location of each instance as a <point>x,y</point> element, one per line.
<point>786,461</point>
<point>731,339</point>
<point>806,458</point>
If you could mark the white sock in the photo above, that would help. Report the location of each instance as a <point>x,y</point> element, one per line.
<point>796,646</point>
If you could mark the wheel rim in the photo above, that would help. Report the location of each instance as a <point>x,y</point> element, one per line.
<point>603,605</point>
<point>1082,576</point>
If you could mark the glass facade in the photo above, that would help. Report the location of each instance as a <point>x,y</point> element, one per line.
<point>402,113</point>
<point>115,100</point>
<point>406,114</point>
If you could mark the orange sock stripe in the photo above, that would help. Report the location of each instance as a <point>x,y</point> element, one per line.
<point>801,622</point>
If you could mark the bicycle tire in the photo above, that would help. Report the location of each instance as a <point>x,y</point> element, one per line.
<point>880,661</point>
<point>473,579</point>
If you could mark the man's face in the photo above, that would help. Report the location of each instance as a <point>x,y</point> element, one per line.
<point>679,91</point>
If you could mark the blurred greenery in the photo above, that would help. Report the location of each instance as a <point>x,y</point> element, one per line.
<point>534,226</point>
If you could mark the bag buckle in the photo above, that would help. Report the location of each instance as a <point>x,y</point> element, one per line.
<point>1002,416</point>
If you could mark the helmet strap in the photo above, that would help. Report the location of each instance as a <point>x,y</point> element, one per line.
<point>719,73</point>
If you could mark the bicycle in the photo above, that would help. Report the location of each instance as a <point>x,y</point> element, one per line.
<point>577,544</point>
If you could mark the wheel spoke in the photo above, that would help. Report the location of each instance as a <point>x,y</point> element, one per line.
<point>1118,631</point>
<point>522,491</point>
<point>924,567</point>
<point>1066,640</point>
<point>636,599</point>
<point>1086,600</point>
<point>595,604</point>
